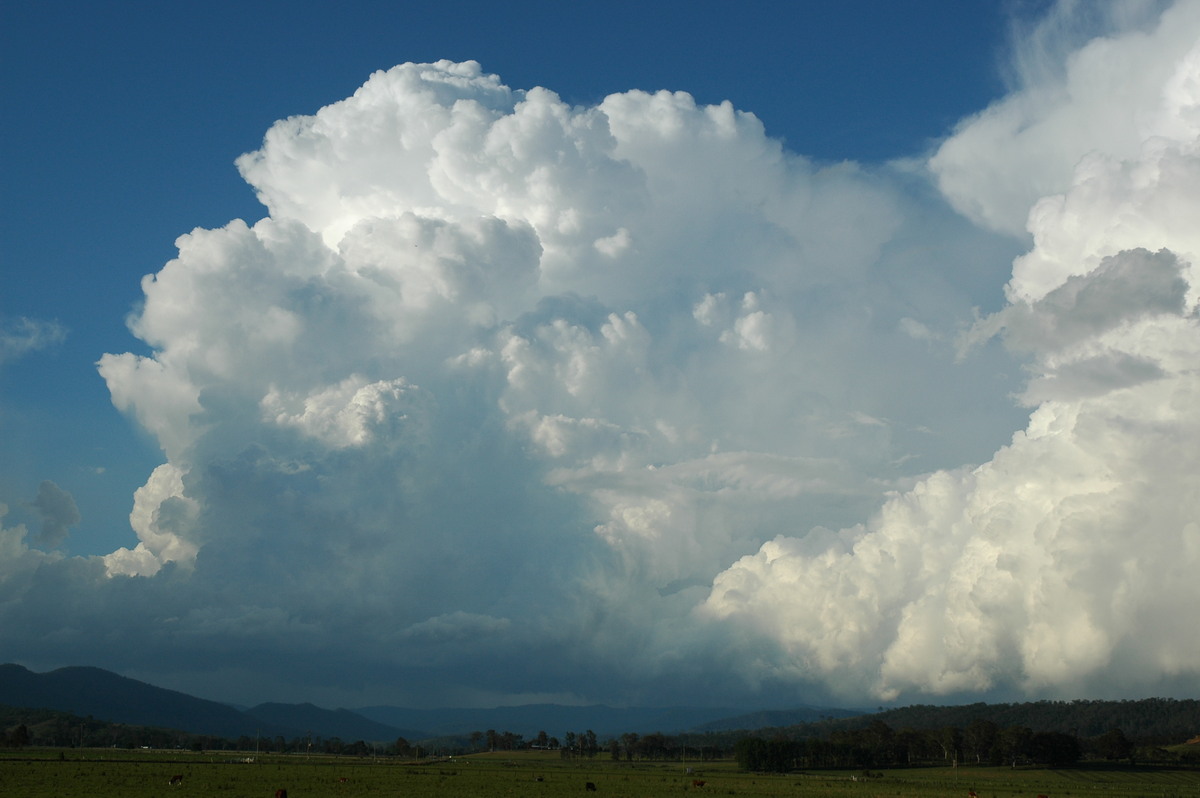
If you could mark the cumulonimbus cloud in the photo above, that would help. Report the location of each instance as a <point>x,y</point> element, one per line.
<point>502,378</point>
<point>1053,567</point>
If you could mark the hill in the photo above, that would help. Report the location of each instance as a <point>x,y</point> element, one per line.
<point>102,694</point>
<point>87,691</point>
<point>774,718</point>
<point>98,693</point>
<point>341,723</point>
<point>1148,721</point>
<point>555,719</point>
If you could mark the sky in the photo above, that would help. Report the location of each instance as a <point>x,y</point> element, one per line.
<point>640,354</point>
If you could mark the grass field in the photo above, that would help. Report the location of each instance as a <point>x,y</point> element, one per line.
<point>102,773</point>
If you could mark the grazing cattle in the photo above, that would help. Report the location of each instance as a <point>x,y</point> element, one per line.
<point>176,780</point>
<point>281,793</point>
<point>972,794</point>
<point>589,787</point>
<point>1041,796</point>
<point>697,782</point>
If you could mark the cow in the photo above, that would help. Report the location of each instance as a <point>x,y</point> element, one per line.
<point>281,793</point>
<point>972,794</point>
<point>589,787</point>
<point>176,780</point>
<point>697,783</point>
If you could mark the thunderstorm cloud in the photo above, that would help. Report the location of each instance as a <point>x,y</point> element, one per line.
<point>511,397</point>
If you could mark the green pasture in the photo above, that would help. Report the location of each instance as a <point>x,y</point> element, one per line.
<point>101,773</point>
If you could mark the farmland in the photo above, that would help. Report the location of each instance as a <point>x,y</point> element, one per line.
<point>98,773</point>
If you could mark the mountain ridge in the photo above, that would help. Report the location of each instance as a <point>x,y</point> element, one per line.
<point>87,690</point>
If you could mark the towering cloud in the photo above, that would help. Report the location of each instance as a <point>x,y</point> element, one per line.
<point>1064,563</point>
<point>503,386</point>
<point>490,352</point>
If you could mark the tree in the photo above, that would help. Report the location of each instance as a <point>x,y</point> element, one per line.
<point>951,740</point>
<point>879,739</point>
<point>629,741</point>
<point>979,739</point>
<point>19,737</point>
<point>1054,748</point>
<point>653,746</point>
<point>1113,744</point>
<point>1014,743</point>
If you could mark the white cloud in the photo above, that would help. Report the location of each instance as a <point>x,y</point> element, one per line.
<point>1051,568</point>
<point>503,380</point>
<point>1108,94</point>
<point>479,321</point>
<point>163,517</point>
<point>22,335</point>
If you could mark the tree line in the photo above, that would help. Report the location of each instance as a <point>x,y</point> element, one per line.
<point>629,746</point>
<point>1148,721</point>
<point>1046,732</point>
<point>981,742</point>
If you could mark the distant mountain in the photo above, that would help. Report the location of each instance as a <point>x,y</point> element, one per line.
<point>102,694</point>
<point>554,719</point>
<point>105,695</point>
<point>777,718</point>
<point>342,723</point>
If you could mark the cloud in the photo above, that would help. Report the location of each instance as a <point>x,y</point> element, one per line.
<point>57,511</point>
<point>1122,290</point>
<point>18,562</point>
<point>495,357</point>
<point>1091,78</point>
<point>22,335</point>
<point>630,396</point>
<point>1057,567</point>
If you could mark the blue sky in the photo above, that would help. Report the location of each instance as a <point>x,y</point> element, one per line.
<point>620,377</point>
